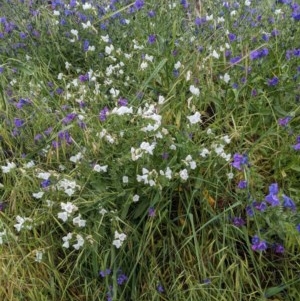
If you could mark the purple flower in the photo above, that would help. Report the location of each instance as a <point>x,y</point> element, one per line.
<point>296,146</point>
<point>160,288</point>
<point>151,13</point>
<point>284,121</point>
<point>288,203</point>
<point>69,118</point>
<point>239,161</point>
<point>298,227</point>
<point>18,122</point>
<point>279,249</point>
<point>242,184</point>
<point>104,273</point>
<point>151,38</point>
<point>138,4</point>
<point>45,183</point>
<point>258,244</point>
<point>238,221</point>
<point>231,37</point>
<point>22,102</point>
<point>151,212</point>
<point>184,3</point>
<point>86,45</point>
<point>235,60</point>
<point>296,15</point>
<point>257,54</point>
<point>206,281</point>
<point>199,21</point>
<point>121,279</point>
<point>273,81</point>
<point>103,114</point>
<point>262,206</point>
<point>123,102</point>
<point>272,197</point>
<point>84,77</point>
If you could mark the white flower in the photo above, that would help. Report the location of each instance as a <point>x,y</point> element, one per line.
<point>68,207</point>
<point>102,211</point>
<point>109,49</point>
<point>80,242</point>
<point>161,99</point>
<point>39,256</point>
<point>105,38</point>
<point>29,164</point>
<point>184,174</point>
<point>204,152</point>
<point>247,3</point>
<point>76,158</point>
<point>8,167</point>
<point>77,221</point>
<point>67,65</point>
<point>149,58</point>
<point>230,175</point>
<point>86,6</point>
<point>99,168</point>
<point>122,110</point>
<point>194,118</point>
<point>117,243</point>
<point>38,195</point>
<point>226,139</point>
<point>215,54</point>
<point>135,198</point>
<point>86,25</point>
<point>56,13</point>
<point>114,92</point>
<point>125,179</point>
<point>177,65</point>
<point>44,175</point>
<point>194,90</point>
<point>226,78</point>
<point>188,75</point>
<point>63,216</point>
<point>278,11</point>
<point>74,32</point>
<point>144,65</point>
<point>147,147</point>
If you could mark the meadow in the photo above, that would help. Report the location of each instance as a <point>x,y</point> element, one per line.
<point>150,150</point>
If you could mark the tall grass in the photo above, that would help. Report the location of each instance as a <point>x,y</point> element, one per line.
<point>149,151</point>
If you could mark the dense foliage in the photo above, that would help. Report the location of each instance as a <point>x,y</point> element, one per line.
<point>149,151</point>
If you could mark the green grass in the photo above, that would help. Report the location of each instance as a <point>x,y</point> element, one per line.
<point>74,156</point>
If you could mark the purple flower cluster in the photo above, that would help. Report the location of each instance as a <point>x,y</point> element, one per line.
<point>239,161</point>
<point>258,244</point>
<point>258,54</point>
<point>297,145</point>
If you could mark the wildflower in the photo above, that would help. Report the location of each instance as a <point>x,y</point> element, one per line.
<point>77,221</point>
<point>272,197</point>
<point>284,121</point>
<point>38,195</point>
<point>298,228</point>
<point>99,168</point>
<point>160,288</point>
<point>238,221</point>
<point>249,211</point>
<point>8,167</point>
<point>80,242</point>
<point>225,78</point>
<point>103,114</point>
<point>18,122</point>
<point>104,273</point>
<point>288,203</point>
<point>239,161</point>
<point>273,81</point>
<point>279,249</point>
<point>125,180</point>
<point>151,38</point>
<point>119,239</point>
<point>258,244</point>
<point>257,54</point>
<point>184,174</point>
<point>206,281</point>
<point>138,4</point>
<point>121,278</point>
<point>38,256</point>
<point>194,118</point>
<point>262,206</point>
<point>151,212</point>
<point>242,184</point>
<point>135,198</point>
